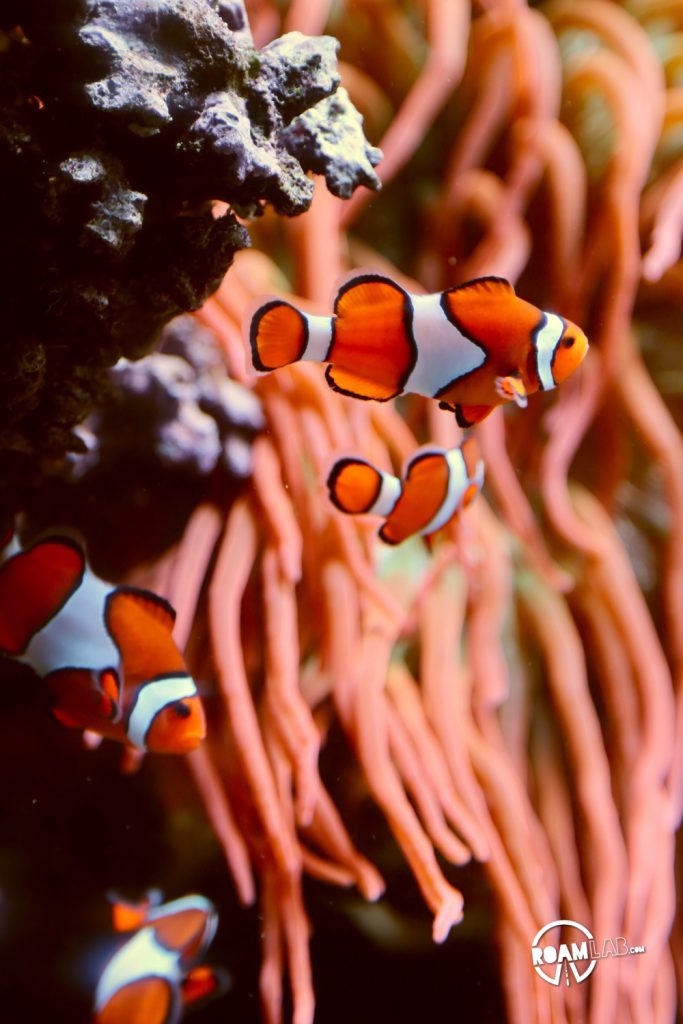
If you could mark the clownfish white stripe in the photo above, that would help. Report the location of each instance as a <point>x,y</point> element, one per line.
<point>443,352</point>
<point>546,339</point>
<point>77,636</point>
<point>457,484</point>
<point>141,957</point>
<point>389,493</point>
<point>152,698</point>
<point>319,338</point>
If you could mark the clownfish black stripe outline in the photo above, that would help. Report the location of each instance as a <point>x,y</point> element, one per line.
<point>453,319</point>
<point>548,356</point>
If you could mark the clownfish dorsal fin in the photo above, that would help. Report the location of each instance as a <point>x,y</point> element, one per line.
<point>149,998</point>
<point>34,585</point>
<point>421,453</point>
<point>151,604</point>
<point>484,286</point>
<point>363,290</point>
<point>141,623</point>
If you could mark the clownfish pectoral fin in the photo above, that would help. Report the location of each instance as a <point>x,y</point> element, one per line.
<point>278,334</point>
<point>469,415</point>
<point>79,702</point>
<point>355,386</point>
<point>34,585</point>
<point>204,982</point>
<point>511,389</point>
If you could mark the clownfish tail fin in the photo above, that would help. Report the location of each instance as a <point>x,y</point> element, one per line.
<point>278,335</point>
<point>357,487</point>
<point>354,485</point>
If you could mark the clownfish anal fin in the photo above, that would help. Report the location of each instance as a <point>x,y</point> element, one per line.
<point>385,533</point>
<point>355,386</point>
<point>34,585</point>
<point>469,415</point>
<point>80,700</point>
<point>202,983</point>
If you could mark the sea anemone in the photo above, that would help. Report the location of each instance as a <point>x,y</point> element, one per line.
<point>515,695</point>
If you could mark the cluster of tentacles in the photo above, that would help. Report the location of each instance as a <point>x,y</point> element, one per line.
<point>516,696</point>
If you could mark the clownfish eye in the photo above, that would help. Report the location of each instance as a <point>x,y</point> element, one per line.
<point>182,710</point>
<point>568,342</point>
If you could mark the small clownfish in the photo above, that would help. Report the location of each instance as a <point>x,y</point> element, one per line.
<point>153,976</point>
<point>437,484</point>
<point>106,653</point>
<point>473,346</point>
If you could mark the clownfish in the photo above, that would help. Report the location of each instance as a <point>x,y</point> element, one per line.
<point>473,346</point>
<point>152,977</point>
<point>106,653</point>
<point>437,484</point>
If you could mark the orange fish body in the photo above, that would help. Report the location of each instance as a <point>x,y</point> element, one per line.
<point>437,484</point>
<point>151,977</point>
<point>106,653</point>
<point>472,347</point>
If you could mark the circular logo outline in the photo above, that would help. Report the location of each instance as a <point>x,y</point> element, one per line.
<point>555,980</point>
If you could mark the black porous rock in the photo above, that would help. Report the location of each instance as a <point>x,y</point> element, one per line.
<point>172,431</point>
<point>121,123</point>
<point>328,139</point>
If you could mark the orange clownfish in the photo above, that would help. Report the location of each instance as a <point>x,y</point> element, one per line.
<point>437,484</point>
<point>106,652</point>
<point>473,346</point>
<point>152,977</point>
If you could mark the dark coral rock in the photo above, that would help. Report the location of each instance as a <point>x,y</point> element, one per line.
<point>329,140</point>
<point>175,409</point>
<point>173,430</point>
<point>121,121</point>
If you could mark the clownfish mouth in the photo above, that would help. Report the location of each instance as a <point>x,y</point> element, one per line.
<point>189,741</point>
